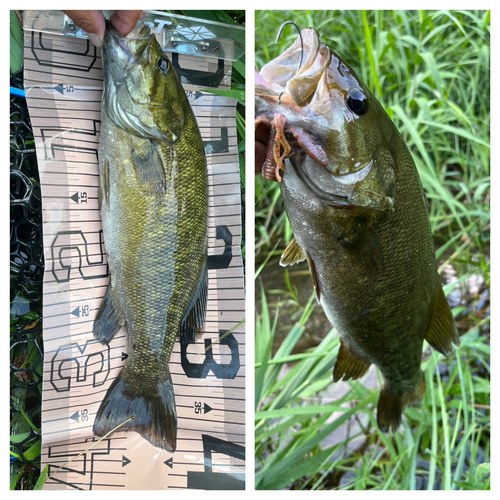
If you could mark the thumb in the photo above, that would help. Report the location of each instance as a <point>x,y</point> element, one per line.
<point>125,20</point>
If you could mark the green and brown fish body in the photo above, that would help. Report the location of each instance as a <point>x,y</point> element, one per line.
<point>153,199</point>
<point>361,222</point>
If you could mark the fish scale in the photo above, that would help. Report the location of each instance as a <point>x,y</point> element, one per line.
<point>154,209</point>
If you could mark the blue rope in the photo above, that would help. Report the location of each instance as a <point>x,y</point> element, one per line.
<point>17,92</point>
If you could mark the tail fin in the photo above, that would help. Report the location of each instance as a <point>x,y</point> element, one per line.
<point>154,411</point>
<point>391,405</point>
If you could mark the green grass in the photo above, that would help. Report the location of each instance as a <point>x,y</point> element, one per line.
<point>430,70</point>
<point>16,43</point>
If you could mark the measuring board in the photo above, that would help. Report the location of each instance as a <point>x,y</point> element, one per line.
<point>63,82</point>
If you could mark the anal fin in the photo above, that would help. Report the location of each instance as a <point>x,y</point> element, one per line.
<point>442,331</point>
<point>108,320</point>
<point>348,365</point>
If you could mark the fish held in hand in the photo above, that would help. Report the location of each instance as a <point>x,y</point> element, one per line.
<point>360,221</point>
<point>153,199</point>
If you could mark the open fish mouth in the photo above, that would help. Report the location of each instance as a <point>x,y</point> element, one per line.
<point>350,178</point>
<point>333,188</point>
<point>342,191</point>
<point>324,184</point>
<point>296,72</point>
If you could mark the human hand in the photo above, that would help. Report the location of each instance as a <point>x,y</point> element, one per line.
<point>92,21</point>
<point>261,133</point>
<point>261,140</point>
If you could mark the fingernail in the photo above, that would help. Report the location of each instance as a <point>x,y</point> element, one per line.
<point>95,39</point>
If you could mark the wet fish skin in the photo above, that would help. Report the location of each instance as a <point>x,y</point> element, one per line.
<point>154,208</point>
<point>362,224</point>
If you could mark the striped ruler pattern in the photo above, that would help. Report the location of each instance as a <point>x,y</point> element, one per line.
<point>63,80</point>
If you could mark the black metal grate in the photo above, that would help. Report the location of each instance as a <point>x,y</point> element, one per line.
<point>26,277</point>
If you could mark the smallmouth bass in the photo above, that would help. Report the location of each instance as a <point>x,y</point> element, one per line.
<point>356,206</point>
<point>154,206</point>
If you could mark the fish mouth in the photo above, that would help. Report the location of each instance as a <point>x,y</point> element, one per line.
<point>323,184</point>
<point>140,32</point>
<point>132,95</point>
<point>125,49</point>
<point>295,73</point>
<point>333,189</point>
<point>350,178</point>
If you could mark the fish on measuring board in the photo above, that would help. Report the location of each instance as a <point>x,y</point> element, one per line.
<point>153,198</point>
<point>356,206</point>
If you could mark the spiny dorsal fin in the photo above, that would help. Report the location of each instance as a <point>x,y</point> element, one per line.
<point>442,331</point>
<point>293,254</point>
<point>348,365</point>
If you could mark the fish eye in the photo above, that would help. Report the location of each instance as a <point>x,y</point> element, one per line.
<point>163,64</point>
<point>357,102</point>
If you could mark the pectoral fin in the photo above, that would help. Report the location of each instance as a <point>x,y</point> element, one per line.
<point>149,167</point>
<point>442,332</point>
<point>365,250</point>
<point>293,254</point>
<point>348,365</point>
<point>314,277</point>
<point>108,320</point>
<point>194,320</point>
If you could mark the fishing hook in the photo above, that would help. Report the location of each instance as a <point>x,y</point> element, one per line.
<point>301,41</point>
<point>301,48</point>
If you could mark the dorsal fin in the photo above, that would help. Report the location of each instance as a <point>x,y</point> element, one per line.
<point>442,331</point>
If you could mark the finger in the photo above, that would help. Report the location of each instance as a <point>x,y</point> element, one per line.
<point>91,21</point>
<point>260,156</point>
<point>261,141</point>
<point>125,20</point>
<point>262,133</point>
